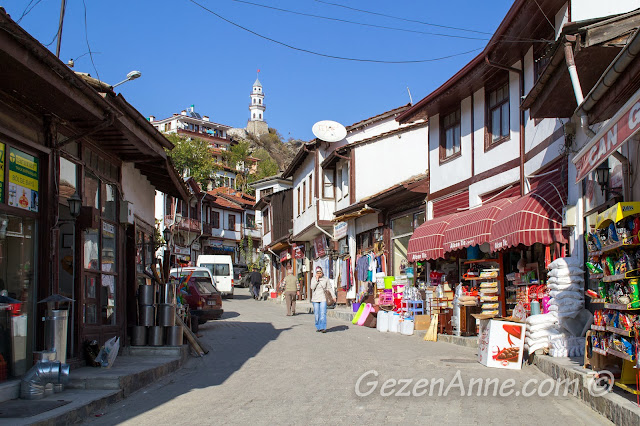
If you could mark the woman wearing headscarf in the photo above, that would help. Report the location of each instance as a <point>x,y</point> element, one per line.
<point>319,283</point>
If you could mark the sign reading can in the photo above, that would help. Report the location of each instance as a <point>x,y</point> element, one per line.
<point>340,230</point>
<point>612,135</point>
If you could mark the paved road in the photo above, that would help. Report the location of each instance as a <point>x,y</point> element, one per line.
<point>266,368</point>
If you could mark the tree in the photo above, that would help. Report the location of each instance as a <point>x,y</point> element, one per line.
<point>193,157</point>
<point>266,167</point>
<point>254,262</point>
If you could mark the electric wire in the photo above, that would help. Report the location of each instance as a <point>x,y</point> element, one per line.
<point>327,55</point>
<point>25,12</point>
<point>55,37</point>
<point>511,38</point>
<point>328,18</point>
<point>86,37</point>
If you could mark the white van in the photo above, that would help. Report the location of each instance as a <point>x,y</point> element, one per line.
<point>221,267</point>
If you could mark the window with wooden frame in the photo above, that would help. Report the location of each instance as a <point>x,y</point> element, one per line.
<point>450,136</point>
<point>266,226</point>
<point>215,219</point>
<point>310,190</point>
<point>232,222</point>
<point>304,195</point>
<point>298,198</point>
<point>328,177</point>
<point>497,116</point>
<point>345,180</point>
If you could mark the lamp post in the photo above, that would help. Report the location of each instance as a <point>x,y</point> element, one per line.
<point>602,177</point>
<point>131,76</point>
<point>75,204</point>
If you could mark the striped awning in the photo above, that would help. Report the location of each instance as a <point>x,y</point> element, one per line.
<point>533,218</point>
<point>426,241</point>
<point>473,227</point>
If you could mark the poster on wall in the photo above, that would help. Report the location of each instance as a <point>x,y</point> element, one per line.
<point>298,251</point>
<point>1,173</point>
<point>320,246</point>
<point>23,180</point>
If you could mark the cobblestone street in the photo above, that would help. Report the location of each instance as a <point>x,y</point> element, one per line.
<point>266,368</point>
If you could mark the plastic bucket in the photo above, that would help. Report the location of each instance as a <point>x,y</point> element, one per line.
<point>388,282</point>
<point>355,307</point>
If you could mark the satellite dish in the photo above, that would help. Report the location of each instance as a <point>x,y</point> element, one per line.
<point>329,131</point>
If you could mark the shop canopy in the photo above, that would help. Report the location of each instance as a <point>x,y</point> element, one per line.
<point>473,227</point>
<point>533,218</point>
<point>427,239</point>
<point>616,213</point>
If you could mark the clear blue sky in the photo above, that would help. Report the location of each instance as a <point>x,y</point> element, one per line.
<point>189,56</point>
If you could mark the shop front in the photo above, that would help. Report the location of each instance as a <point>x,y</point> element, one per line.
<point>490,261</point>
<point>612,224</point>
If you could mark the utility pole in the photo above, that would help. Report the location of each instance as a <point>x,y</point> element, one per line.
<point>62,8</point>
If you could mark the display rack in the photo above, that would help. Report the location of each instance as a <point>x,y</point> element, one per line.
<point>483,277</point>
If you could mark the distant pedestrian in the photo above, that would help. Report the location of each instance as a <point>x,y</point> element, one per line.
<point>319,283</point>
<point>256,281</point>
<point>291,291</point>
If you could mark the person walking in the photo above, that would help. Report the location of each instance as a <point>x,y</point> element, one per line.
<point>319,283</point>
<point>256,280</point>
<point>291,291</point>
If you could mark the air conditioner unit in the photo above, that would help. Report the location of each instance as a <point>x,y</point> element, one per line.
<point>569,216</point>
<point>126,212</point>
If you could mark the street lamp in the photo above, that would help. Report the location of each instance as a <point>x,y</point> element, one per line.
<point>75,204</point>
<point>166,234</point>
<point>131,76</point>
<point>602,176</point>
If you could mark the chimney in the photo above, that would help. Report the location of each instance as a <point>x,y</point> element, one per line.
<point>183,112</point>
<point>152,118</point>
<point>205,118</point>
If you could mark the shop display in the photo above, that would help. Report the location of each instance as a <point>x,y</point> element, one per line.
<point>613,262</point>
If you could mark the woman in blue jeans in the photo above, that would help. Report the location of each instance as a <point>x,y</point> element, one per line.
<point>319,283</point>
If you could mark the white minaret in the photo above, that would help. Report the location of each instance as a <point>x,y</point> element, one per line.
<point>257,124</point>
<point>257,103</point>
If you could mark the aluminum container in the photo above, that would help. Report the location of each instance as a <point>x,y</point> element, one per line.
<point>55,333</point>
<point>156,335</point>
<point>139,335</point>
<point>174,336</point>
<point>166,315</point>
<point>146,294</point>
<point>146,315</point>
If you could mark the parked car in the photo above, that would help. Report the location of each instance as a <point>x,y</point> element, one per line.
<point>221,268</point>
<point>203,298</point>
<point>245,280</point>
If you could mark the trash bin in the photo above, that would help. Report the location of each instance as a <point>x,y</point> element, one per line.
<point>55,333</point>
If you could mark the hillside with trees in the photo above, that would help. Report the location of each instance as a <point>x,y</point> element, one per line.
<point>194,157</point>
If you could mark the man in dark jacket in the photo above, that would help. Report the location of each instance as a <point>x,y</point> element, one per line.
<point>256,281</point>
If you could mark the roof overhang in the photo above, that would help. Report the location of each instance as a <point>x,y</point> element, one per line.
<point>525,19</point>
<point>595,44</point>
<point>400,196</point>
<point>301,155</point>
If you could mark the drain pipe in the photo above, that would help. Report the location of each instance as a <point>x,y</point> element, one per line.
<point>323,231</point>
<point>34,382</point>
<point>575,83</point>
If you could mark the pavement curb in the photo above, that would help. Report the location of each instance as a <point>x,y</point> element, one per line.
<point>79,414</point>
<point>612,406</point>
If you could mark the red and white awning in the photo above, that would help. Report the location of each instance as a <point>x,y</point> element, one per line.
<point>533,218</point>
<point>473,227</point>
<point>427,239</point>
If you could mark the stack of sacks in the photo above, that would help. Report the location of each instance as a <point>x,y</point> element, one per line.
<point>567,320</point>
<point>562,346</point>
<point>539,329</point>
<point>565,285</point>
